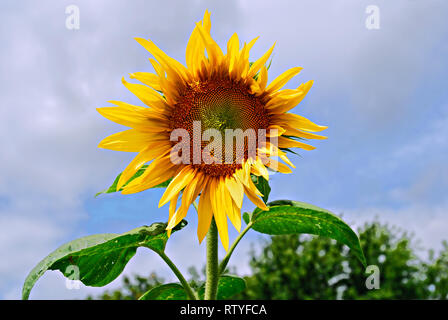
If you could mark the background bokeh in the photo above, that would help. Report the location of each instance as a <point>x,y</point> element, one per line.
<point>382,93</point>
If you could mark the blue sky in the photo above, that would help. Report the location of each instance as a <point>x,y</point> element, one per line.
<point>381,92</point>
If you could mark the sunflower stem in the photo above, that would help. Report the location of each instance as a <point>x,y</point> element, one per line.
<point>190,293</point>
<point>212,271</point>
<point>225,261</point>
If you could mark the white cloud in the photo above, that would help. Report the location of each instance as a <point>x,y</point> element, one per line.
<point>53,78</point>
<point>427,222</point>
<point>377,72</point>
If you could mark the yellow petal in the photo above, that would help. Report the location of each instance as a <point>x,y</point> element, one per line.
<point>219,212</point>
<point>282,79</point>
<point>207,23</point>
<point>257,65</point>
<point>242,63</point>
<point>150,79</point>
<point>147,95</point>
<point>271,150</point>
<point>290,131</point>
<point>284,142</point>
<point>190,193</point>
<point>254,87</point>
<point>251,186</point>
<point>177,184</point>
<point>261,169</point>
<point>277,166</point>
<point>275,131</point>
<point>249,46</point>
<point>147,154</point>
<point>283,156</point>
<point>236,190</point>
<point>158,171</point>
<point>297,121</point>
<point>195,47</point>
<point>284,103</point>
<point>253,197</point>
<point>158,68</point>
<point>169,87</point>
<point>263,78</point>
<point>131,140</point>
<point>205,213</point>
<point>173,68</point>
<point>242,175</point>
<point>172,211</point>
<point>232,51</point>
<point>229,205</point>
<point>125,116</point>
<point>235,218</point>
<point>213,50</point>
<point>177,217</point>
<point>193,52</point>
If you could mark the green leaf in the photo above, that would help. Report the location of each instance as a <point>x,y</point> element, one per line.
<point>262,185</point>
<point>99,259</point>
<point>290,217</point>
<point>169,291</point>
<point>113,187</point>
<point>228,286</point>
<point>247,217</point>
<point>269,65</point>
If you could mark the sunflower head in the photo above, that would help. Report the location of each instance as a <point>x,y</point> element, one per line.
<point>208,126</point>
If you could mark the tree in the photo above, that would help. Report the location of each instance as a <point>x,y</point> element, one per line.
<point>132,288</point>
<point>320,268</point>
<point>437,274</point>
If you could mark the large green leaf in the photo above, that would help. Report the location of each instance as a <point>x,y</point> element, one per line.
<point>262,185</point>
<point>228,286</point>
<point>99,259</point>
<point>290,217</point>
<point>169,291</point>
<point>113,187</point>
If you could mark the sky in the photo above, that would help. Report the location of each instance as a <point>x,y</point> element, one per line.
<point>381,92</point>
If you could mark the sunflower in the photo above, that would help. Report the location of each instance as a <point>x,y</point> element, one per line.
<point>221,91</point>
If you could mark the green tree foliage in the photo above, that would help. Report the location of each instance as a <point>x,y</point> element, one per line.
<point>132,288</point>
<point>437,274</point>
<point>309,267</point>
<point>320,268</point>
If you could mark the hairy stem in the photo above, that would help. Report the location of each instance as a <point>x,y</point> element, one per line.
<point>225,261</point>
<point>212,272</point>
<point>190,292</point>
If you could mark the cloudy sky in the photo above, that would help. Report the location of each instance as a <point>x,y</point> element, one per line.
<point>383,94</point>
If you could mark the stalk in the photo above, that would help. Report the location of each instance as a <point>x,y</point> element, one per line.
<point>223,264</point>
<point>212,271</point>
<point>191,295</point>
